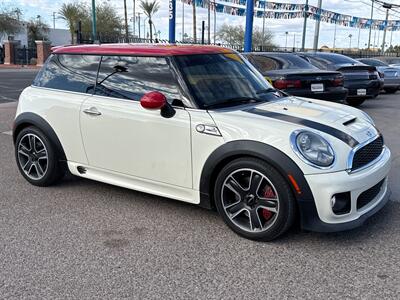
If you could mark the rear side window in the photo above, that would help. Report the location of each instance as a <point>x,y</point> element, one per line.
<point>264,63</point>
<point>74,73</point>
<point>280,62</point>
<point>129,78</point>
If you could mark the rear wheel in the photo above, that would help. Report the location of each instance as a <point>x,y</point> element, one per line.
<point>254,200</point>
<point>36,157</point>
<point>390,90</point>
<point>355,102</point>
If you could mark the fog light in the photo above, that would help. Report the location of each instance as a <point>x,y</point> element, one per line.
<point>341,203</point>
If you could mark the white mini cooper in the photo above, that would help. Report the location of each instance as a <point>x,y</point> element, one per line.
<point>199,124</point>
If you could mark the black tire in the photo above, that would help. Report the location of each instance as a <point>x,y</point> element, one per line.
<point>279,223</point>
<point>51,171</point>
<point>355,102</point>
<point>390,90</point>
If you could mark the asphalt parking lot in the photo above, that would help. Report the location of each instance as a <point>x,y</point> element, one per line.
<point>82,239</point>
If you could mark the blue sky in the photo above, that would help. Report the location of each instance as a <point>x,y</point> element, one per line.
<point>45,8</point>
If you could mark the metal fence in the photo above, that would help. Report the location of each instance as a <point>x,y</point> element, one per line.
<point>104,38</point>
<point>25,56</point>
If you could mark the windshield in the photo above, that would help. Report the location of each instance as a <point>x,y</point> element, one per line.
<point>215,79</point>
<point>373,62</point>
<point>336,59</point>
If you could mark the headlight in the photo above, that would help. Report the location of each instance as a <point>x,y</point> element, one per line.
<point>312,148</point>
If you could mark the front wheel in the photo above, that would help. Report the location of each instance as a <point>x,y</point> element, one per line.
<point>254,200</point>
<point>36,157</point>
<point>355,102</point>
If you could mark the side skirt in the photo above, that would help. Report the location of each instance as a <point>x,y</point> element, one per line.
<point>135,183</point>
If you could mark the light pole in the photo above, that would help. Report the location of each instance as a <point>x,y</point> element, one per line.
<point>350,36</point>
<point>387,6</point>
<point>54,20</point>
<point>134,14</point>
<point>209,21</point>
<point>317,25</point>
<point>263,29</point>
<point>215,21</point>
<point>183,21</point>
<point>370,28</point>
<point>334,38</point>
<point>286,34</point>
<point>94,27</point>
<point>303,41</point>
<point>138,16</point>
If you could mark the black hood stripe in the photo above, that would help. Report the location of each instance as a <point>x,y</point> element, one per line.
<point>349,140</point>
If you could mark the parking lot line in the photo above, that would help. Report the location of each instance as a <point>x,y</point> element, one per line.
<point>7,132</point>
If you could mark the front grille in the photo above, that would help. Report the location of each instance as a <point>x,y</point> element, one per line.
<point>369,195</point>
<point>367,154</point>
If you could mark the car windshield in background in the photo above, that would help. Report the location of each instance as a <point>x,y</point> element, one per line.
<point>218,80</point>
<point>373,62</point>
<point>335,59</point>
<point>280,61</point>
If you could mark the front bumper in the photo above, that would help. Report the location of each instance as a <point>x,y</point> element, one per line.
<point>320,217</point>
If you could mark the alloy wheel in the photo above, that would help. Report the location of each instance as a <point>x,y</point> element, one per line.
<point>250,200</point>
<point>32,156</point>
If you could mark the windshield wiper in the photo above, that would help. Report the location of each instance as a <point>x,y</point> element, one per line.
<point>234,101</point>
<point>265,91</point>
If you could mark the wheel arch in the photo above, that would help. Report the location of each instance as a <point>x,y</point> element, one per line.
<point>246,148</point>
<point>27,119</point>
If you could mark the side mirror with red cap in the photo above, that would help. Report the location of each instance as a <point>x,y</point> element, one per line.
<point>156,100</point>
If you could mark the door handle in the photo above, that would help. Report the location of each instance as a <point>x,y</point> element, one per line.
<point>92,111</point>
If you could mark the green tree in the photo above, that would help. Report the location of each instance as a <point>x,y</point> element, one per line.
<point>108,20</point>
<point>37,31</point>
<point>234,35</point>
<point>149,9</point>
<point>9,21</point>
<point>72,13</point>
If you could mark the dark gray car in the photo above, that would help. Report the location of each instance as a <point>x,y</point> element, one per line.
<point>362,81</point>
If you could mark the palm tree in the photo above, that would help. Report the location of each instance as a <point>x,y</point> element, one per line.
<point>194,21</point>
<point>72,13</point>
<point>149,9</point>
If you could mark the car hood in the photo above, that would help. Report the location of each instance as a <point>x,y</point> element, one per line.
<point>341,122</point>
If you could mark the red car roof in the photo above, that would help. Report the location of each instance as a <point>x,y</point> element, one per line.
<point>141,49</point>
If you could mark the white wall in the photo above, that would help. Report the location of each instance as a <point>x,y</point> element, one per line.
<point>59,37</point>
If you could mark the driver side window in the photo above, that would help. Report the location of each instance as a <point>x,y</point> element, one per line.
<point>128,77</point>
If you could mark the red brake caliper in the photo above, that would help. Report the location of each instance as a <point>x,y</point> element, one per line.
<point>269,193</point>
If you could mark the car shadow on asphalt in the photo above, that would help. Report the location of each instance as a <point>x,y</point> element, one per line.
<point>381,224</point>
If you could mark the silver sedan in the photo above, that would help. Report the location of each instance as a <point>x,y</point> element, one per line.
<point>391,74</point>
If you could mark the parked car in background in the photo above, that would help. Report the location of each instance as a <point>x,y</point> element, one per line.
<point>391,61</point>
<point>391,75</point>
<point>361,80</point>
<point>297,77</point>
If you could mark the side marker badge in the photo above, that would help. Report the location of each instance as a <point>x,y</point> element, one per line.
<point>208,129</point>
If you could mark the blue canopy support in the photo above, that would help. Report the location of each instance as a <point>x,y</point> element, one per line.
<point>172,20</point>
<point>248,36</point>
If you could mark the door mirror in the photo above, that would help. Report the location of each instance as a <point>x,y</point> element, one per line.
<point>153,100</point>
